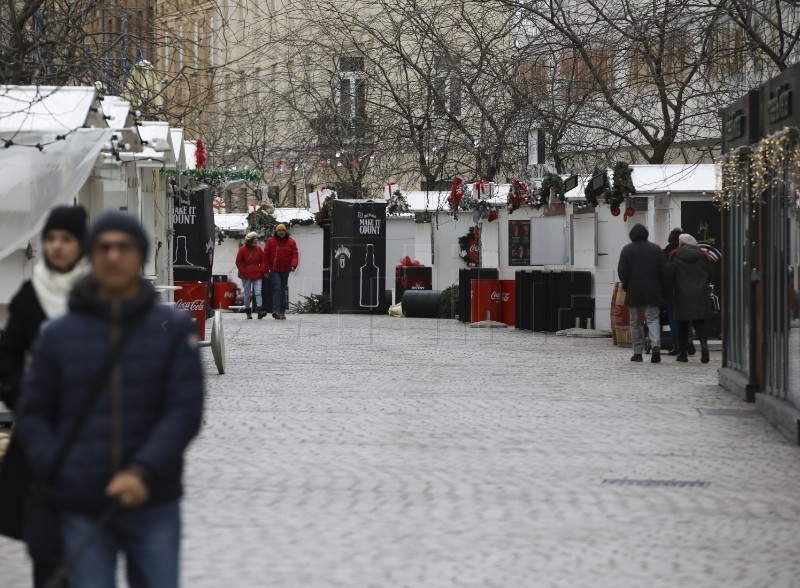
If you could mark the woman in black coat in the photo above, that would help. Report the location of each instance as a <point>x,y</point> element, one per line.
<point>691,270</point>
<point>42,298</point>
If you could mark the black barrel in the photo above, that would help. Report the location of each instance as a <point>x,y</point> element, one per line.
<point>421,303</point>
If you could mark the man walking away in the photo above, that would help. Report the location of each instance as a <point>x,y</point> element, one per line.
<point>281,256</point>
<point>644,275</point>
<point>250,263</point>
<point>141,360</point>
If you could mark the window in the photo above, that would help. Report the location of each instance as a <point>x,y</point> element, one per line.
<point>727,54</point>
<point>533,78</point>
<point>446,85</point>
<point>352,89</point>
<point>674,58</point>
<point>577,70</point>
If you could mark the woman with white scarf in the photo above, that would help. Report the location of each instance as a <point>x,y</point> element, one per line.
<point>40,299</point>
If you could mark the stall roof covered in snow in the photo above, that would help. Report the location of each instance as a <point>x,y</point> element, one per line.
<point>117,110</point>
<point>237,221</point>
<point>159,143</point>
<point>657,179</point>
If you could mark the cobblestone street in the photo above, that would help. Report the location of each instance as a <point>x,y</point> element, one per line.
<point>347,451</point>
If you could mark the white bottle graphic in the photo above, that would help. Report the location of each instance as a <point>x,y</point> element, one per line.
<point>369,279</point>
<point>181,253</point>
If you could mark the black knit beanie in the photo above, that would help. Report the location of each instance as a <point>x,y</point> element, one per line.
<point>67,218</point>
<point>113,220</point>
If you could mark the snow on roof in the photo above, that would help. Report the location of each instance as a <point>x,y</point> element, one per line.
<point>420,200</point>
<point>656,179</point>
<point>154,132</point>
<point>117,109</point>
<point>237,221</point>
<point>44,108</point>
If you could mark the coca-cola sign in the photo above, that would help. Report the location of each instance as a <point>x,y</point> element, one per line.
<point>192,305</point>
<point>229,294</point>
<point>496,295</point>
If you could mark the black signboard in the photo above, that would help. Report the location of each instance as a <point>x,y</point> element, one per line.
<point>780,101</point>
<point>358,256</point>
<point>193,235</point>
<point>519,242</point>
<point>741,122</point>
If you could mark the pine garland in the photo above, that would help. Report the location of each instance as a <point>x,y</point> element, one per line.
<point>217,177</point>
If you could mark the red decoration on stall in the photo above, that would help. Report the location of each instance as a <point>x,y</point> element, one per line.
<point>615,211</point>
<point>456,194</point>
<point>629,212</point>
<point>200,156</point>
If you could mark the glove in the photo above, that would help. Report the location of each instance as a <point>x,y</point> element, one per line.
<point>292,269</point>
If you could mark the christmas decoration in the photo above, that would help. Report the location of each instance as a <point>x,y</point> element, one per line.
<point>217,177</point>
<point>552,187</point>
<point>469,247</point>
<point>596,186</point>
<point>518,194</point>
<point>397,204</point>
<point>623,185</point>
<point>200,155</point>
<point>483,189</point>
<point>456,194</point>
<point>325,214</point>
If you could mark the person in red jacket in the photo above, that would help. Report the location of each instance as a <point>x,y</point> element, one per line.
<point>280,258</point>
<point>250,263</point>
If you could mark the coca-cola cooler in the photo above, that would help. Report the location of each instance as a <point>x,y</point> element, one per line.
<point>358,257</point>
<point>191,297</point>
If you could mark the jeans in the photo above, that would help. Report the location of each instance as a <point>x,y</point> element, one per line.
<point>652,316</point>
<point>279,280</point>
<point>256,287</point>
<point>149,537</point>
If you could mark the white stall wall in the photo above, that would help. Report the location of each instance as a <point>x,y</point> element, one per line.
<point>305,281</point>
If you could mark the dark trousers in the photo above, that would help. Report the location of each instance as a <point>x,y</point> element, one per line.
<point>684,328</point>
<point>279,282</point>
<point>43,571</point>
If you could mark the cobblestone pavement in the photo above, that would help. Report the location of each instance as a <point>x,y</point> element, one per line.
<point>344,451</point>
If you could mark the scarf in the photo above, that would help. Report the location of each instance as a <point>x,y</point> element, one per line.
<point>52,288</point>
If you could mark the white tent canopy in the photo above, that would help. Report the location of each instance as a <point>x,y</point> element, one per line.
<point>32,179</point>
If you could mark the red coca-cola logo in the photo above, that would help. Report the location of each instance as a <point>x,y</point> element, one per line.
<point>506,296</point>
<point>473,248</point>
<point>191,305</point>
<point>496,295</point>
<point>229,294</point>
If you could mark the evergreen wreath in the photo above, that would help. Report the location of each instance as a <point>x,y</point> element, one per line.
<point>397,203</point>
<point>552,187</point>
<point>623,186</point>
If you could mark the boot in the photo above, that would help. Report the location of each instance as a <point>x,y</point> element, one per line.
<point>682,357</point>
<point>636,357</point>
<point>704,358</point>
<point>282,316</point>
<point>261,313</point>
<point>656,355</point>
<point>275,315</point>
<point>249,313</point>
<point>674,351</point>
<point>690,347</point>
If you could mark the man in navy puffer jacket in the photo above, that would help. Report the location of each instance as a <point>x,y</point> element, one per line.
<point>130,448</point>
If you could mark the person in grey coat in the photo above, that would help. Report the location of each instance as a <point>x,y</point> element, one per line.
<point>691,270</point>
<point>644,275</point>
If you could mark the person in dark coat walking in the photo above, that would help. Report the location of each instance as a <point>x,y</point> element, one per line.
<point>672,245</point>
<point>42,298</point>
<point>130,447</point>
<point>644,275</point>
<point>250,263</point>
<point>280,258</point>
<point>691,271</point>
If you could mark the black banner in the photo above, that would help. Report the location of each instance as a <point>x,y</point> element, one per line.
<point>193,235</point>
<point>358,256</point>
<point>519,242</point>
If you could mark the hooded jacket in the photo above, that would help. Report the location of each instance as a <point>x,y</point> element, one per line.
<point>250,262</point>
<point>691,278</point>
<point>642,270</point>
<point>158,387</point>
<point>280,254</point>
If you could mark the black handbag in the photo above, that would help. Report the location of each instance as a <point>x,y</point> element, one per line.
<point>40,529</point>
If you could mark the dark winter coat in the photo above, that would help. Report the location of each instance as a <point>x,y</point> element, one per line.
<point>159,387</point>
<point>25,318</point>
<point>250,262</point>
<point>642,270</point>
<point>280,255</point>
<point>691,271</point>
